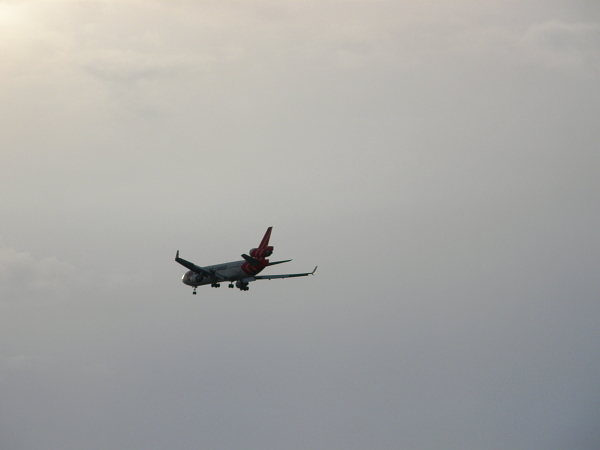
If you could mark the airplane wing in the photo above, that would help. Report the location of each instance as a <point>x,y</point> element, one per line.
<point>288,275</point>
<point>199,270</point>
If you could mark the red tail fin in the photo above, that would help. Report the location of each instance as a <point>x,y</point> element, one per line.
<point>265,240</point>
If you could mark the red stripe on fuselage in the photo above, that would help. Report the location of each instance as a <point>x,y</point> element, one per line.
<point>251,270</point>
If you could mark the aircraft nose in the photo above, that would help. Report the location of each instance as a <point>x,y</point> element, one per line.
<point>191,278</point>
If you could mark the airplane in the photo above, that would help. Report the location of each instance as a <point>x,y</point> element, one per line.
<point>242,272</point>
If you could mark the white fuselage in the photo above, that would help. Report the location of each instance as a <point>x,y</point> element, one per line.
<point>230,271</point>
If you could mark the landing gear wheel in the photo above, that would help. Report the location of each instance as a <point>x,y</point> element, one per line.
<point>194,291</point>
<point>230,285</point>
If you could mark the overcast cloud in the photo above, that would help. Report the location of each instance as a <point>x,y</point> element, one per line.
<point>438,160</point>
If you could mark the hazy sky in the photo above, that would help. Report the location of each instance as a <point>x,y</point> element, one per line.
<point>438,159</point>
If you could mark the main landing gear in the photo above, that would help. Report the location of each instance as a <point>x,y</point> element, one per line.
<point>230,285</point>
<point>215,285</point>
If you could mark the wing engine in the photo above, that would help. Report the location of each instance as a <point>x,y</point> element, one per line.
<point>241,285</point>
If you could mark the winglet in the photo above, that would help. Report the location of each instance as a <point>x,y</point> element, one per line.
<point>177,255</point>
<point>315,269</point>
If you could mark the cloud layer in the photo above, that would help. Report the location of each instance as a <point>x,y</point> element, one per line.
<point>436,159</point>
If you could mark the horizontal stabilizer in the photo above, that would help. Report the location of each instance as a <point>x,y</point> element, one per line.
<point>250,260</point>
<point>278,262</point>
<point>287,275</point>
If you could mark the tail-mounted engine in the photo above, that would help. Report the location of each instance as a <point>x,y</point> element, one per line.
<point>261,253</point>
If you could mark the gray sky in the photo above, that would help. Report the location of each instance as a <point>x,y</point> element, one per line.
<point>437,159</point>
